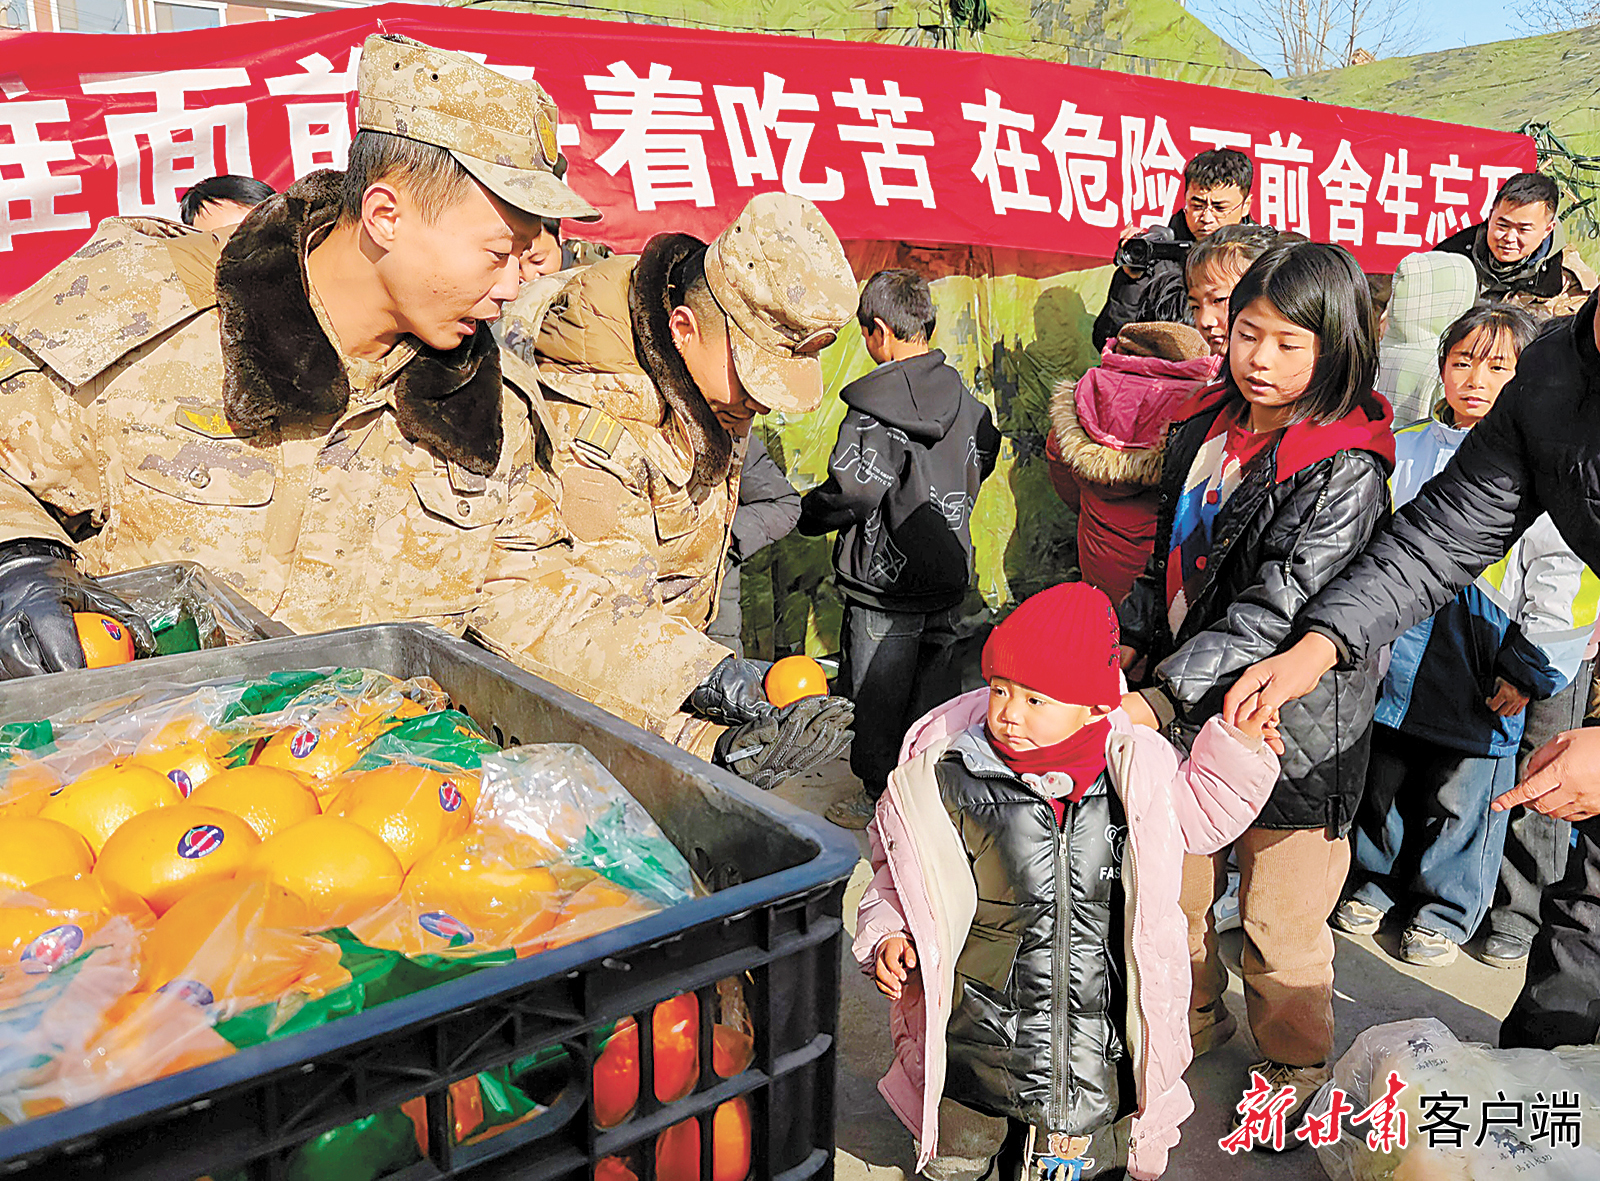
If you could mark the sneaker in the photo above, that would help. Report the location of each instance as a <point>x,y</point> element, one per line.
<point>1306,1081</point>
<point>1211,1027</point>
<point>854,811</point>
<point>1427,949</point>
<point>1355,917</point>
<point>1504,951</point>
<point>1225,912</point>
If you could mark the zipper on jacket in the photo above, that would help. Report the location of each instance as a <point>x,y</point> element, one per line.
<point>1134,1025</point>
<point>1322,499</point>
<point>1060,970</point>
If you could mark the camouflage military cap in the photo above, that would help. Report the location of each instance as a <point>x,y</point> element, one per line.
<point>500,129</point>
<point>781,276</point>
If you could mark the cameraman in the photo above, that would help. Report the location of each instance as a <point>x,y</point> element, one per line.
<point>1216,193</point>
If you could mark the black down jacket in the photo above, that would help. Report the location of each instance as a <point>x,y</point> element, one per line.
<point>1537,451</point>
<point>1302,510</point>
<point>1037,1026</point>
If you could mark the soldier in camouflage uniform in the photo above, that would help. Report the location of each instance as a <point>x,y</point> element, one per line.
<point>314,408</point>
<point>653,369</point>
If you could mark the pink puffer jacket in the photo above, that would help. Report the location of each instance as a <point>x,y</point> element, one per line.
<point>922,888</point>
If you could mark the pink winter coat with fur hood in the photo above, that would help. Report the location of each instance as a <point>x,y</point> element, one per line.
<point>1104,456</point>
<point>922,888</point>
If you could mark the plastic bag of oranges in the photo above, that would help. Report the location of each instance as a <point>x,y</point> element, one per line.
<point>563,798</point>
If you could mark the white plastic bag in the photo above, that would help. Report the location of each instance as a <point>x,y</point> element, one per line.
<point>1430,1061</point>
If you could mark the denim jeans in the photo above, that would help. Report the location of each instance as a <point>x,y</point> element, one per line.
<point>885,654</point>
<point>1536,844</point>
<point>1425,839</point>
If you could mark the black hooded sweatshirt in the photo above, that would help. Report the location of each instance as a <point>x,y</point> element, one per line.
<point>913,449</point>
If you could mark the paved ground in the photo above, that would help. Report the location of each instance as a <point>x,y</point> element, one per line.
<point>1371,988</point>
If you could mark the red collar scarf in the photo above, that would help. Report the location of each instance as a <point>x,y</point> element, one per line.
<point>1082,756</point>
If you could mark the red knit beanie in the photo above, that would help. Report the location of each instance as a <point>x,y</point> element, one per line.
<point>1062,642</point>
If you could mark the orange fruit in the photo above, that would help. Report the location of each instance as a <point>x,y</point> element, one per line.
<point>98,803</point>
<point>105,641</point>
<point>678,1148</point>
<point>50,923</point>
<point>675,1029</point>
<point>26,788</point>
<point>320,748</point>
<point>598,906</point>
<point>32,850</point>
<point>337,867</point>
<point>268,799</point>
<point>185,727</point>
<point>163,854</point>
<point>460,895</point>
<point>614,1168</point>
<point>239,939</point>
<point>466,878</point>
<point>187,764</point>
<point>412,809</point>
<point>794,677</point>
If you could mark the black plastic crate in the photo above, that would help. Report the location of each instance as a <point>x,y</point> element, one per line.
<point>774,919</point>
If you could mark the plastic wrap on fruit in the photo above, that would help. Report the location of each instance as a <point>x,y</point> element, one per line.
<point>493,889</point>
<point>54,1001</point>
<point>563,797</point>
<point>1490,1088</point>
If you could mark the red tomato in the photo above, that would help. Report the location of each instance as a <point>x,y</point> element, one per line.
<point>616,1076</point>
<point>676,1025</point>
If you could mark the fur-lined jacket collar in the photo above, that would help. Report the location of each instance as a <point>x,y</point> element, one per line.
<point>611,322</point>
<point>280,366</point>
<point>1110,425</point>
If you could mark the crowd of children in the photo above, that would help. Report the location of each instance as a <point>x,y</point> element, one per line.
<point>1047,851</point>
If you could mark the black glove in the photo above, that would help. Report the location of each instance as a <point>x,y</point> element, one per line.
<point>734,693</point>
<point>40,588</point>
<point>789,741</point>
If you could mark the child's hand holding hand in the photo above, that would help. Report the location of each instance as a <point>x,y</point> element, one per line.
<point>897,959</point>
<point>1260,721</point>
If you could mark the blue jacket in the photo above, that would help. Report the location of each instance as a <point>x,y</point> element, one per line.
<point>1527,618</point>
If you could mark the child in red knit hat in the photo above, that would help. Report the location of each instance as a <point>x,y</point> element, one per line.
<point>1023,916</point>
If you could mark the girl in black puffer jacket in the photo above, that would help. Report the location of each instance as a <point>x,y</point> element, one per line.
<point>1273,479</point>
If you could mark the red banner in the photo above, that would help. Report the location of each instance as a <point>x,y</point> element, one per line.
<point>676,128</point>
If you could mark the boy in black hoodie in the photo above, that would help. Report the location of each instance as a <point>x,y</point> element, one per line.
<point>913,449</point>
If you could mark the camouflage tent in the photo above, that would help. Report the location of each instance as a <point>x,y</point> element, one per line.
<point>1012,338</point>
<point>1543,86</point>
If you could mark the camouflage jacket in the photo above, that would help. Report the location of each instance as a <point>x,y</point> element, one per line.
<point>644,464</point>
<point>174,395</point>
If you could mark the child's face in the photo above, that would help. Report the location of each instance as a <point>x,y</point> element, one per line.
<point>1474,373</point>
<point>1271,358</point>
<point>1025,719</point>
<point>1208,302</point>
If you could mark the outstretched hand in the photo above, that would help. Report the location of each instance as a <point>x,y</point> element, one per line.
<point>1563,778</point>
<point>1279,679</point>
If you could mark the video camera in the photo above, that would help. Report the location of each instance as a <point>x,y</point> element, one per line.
<point>1157,244</point>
